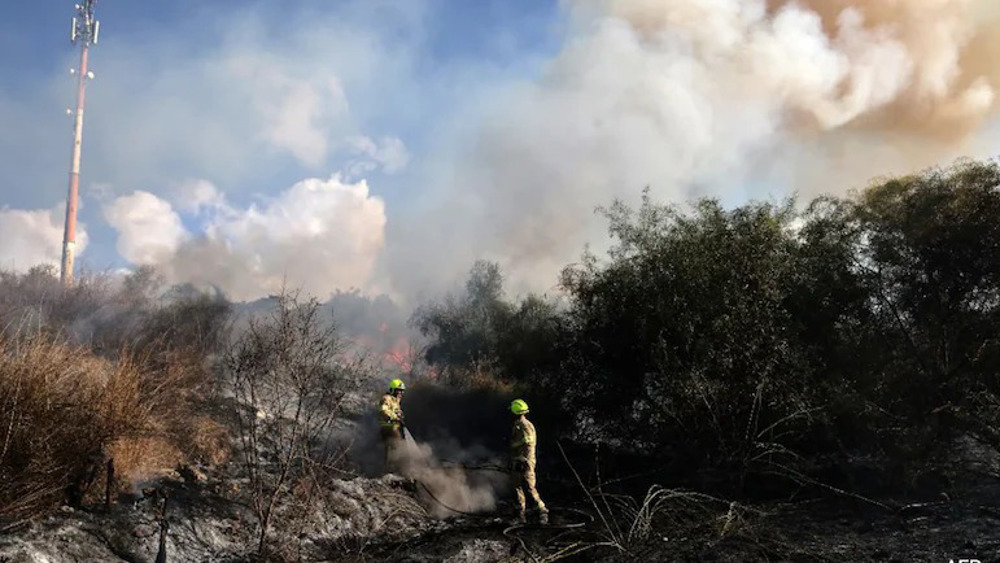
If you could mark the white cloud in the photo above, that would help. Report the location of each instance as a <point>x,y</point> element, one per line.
<point>34,237</point>
<point>149,230</point>
<point>193,196</point>
<point>318,235</point>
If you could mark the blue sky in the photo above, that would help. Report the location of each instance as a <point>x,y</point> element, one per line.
<point>387,144</point>
<point>438,39</point>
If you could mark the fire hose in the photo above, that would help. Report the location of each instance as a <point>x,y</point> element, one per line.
<point>510,532</point>
<point>501,469</point>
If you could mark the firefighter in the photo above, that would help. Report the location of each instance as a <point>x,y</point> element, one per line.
<point>522,455</point>
<point>391,418</point>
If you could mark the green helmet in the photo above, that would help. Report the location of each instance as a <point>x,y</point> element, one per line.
<point>519,407</point>
<point>397,384</point>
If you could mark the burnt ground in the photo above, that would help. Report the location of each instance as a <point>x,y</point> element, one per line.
<point>963,523</point>
<point>385,518</point>
<point>820,530</point>
<point>953,517</point>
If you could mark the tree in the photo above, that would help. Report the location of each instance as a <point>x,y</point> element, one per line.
<point>931,253</point>
<point>284,373</point>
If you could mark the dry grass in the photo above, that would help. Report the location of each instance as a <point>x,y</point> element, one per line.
<point>143,458</point>
<point>112,367</point>
<point>208,441</point>
<point>61,407</point>
<point>63,411</point>
<point>627,523</point>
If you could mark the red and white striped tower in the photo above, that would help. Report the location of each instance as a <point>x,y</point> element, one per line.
<point>84,32</point>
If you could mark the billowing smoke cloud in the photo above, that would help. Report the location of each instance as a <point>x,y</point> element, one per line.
<point>318,236</point>
<point>149,231</point>
<point>728,98</point>
<point>297,111</point>
<point>31,238</point>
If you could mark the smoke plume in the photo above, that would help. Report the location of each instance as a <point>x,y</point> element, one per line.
<point>149,229</point>
<point>725,98</point>
<point>435,464</point>
<point>318,236</point>
<point>734,99</point>
<point>458,441</point>
<point>446,489</point>
<point>30,238</point>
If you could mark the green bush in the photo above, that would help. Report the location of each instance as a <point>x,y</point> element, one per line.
<point>763,339</point>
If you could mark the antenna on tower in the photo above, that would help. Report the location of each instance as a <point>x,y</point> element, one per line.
<point>84,32</point>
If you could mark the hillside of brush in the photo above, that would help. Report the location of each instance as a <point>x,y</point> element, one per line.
<point>848,350</point>
<point>770,382</point>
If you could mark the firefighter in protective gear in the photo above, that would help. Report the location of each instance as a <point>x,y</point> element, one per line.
<point>391,418</point>
<point>522,454</point>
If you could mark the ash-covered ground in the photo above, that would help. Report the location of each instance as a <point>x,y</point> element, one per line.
<point>393,518</point>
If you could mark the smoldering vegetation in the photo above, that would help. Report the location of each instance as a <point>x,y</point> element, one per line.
<point>447,489</point>
<point>845,351</point>
<point>455,451</point>
<point>256,420</point>
<point>374,325</point>
<point>714,364</point>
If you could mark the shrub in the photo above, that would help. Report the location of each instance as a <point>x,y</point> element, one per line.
<point>287,374</point>
<point>101,370</point>
<point>760,339</point>
<point>62,408</point>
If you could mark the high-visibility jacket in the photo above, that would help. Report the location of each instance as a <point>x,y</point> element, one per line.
<point>390,412</point>
<point>523,440</point>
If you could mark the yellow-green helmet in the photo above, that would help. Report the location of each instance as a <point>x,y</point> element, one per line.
<point>397,384</point>
<point>519,407</point>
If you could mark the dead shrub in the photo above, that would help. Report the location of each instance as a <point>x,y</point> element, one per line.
<point>36,301</point>
<point>288,376</point>
<point>60,408</point>
<point>64,411</point>
<point>142,458</point>
<point>208,441</point>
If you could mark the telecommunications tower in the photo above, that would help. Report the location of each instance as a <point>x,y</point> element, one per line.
<point>84,32</point>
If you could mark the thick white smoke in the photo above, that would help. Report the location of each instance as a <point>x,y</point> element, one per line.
<point>730,98</point>
<point>318,236</point>
<point>149,231</point>
<point>447,488</point>
<point>32,237</point>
